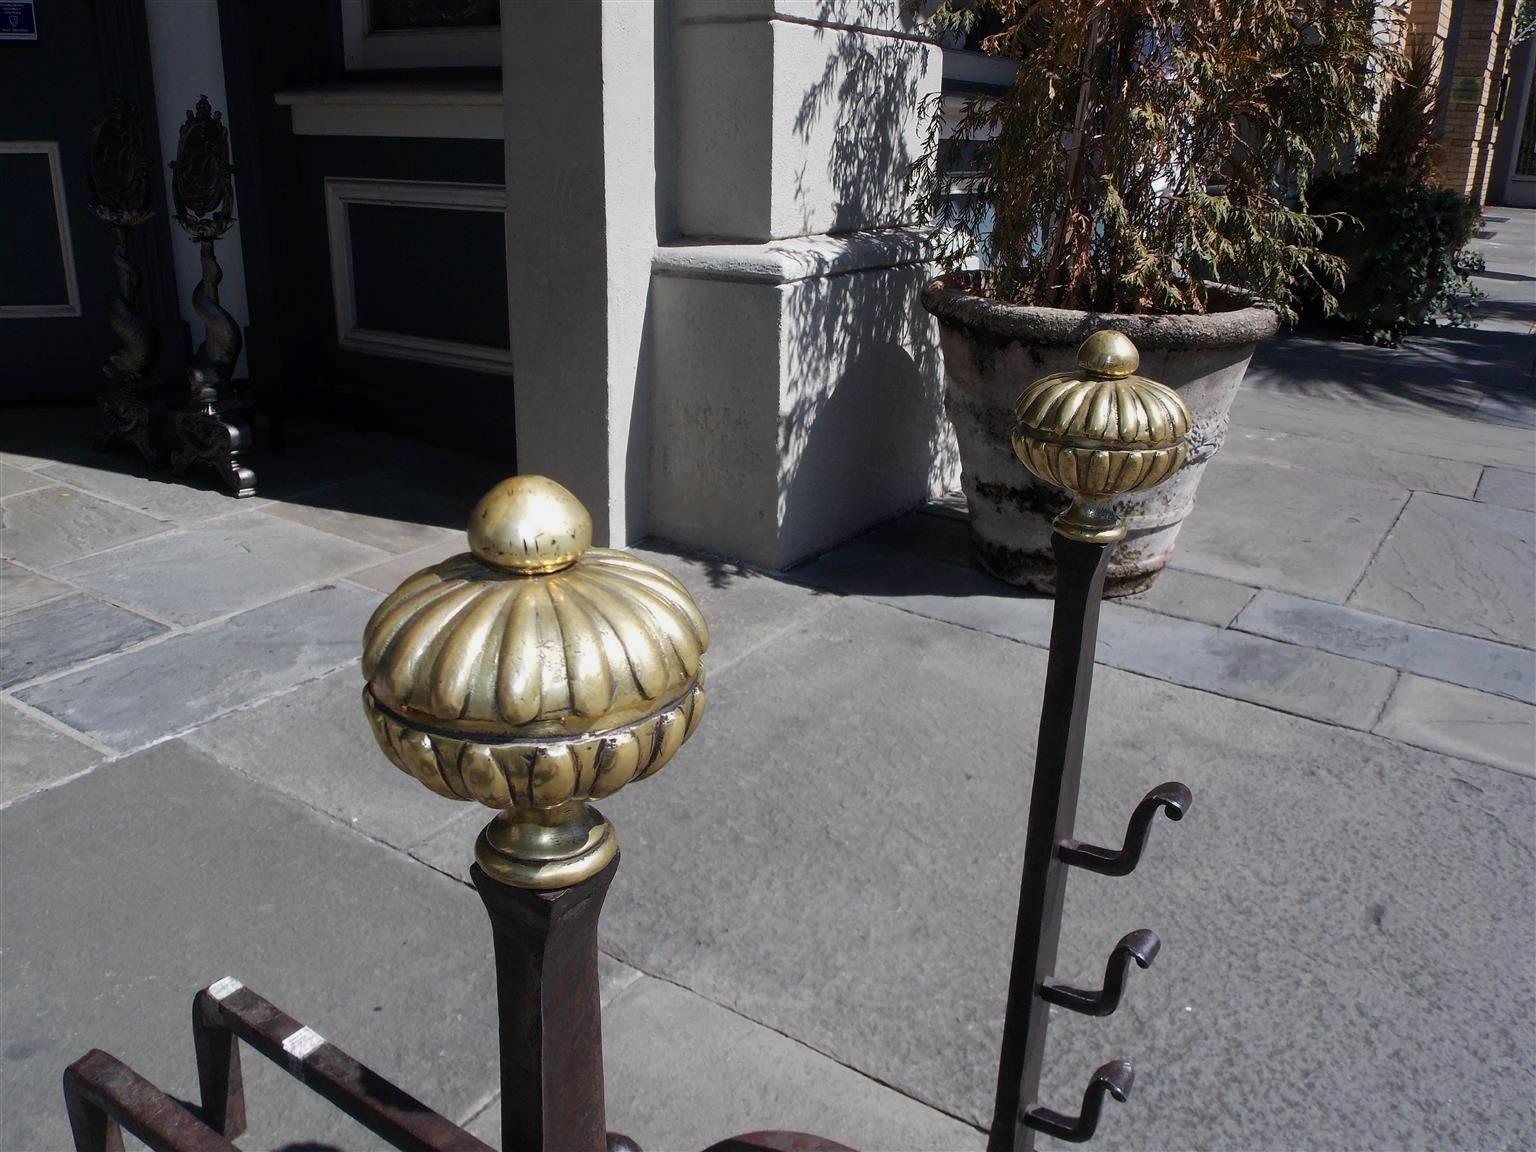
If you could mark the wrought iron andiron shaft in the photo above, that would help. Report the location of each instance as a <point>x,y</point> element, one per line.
<point>1099,432</point>
<point>549,1011</point>
<point>1052,810</point>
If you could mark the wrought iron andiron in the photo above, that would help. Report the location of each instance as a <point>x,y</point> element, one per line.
<point>131,406</point>
<point>535,674</point>
<point>1099,432</point>
<point>213,428</point>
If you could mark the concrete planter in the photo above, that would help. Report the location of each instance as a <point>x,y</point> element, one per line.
<point>993,350</point>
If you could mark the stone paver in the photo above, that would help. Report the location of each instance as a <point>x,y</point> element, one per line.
<point>839,861</point>
<point>34,437</point>
<point>1509,487</point>
<point>33,755</point>
<point>1458,565</point>
<point>20,588</point>
<point>451,849</point>
<point>1465,660</point>
<point>161,873</point>
<point>1301,680</point>
<point>744,609</point>
<point>122,479</point>
<point>1311,533</point>
<point>1462,722</point>
<point>1191,596</point>
<point>385,577</point>
<point>14,481</point>
<point>51,526</point>
<point>397,513</point>
<point>684,1073</point>
<point>1372,463</point>
<point>935,537</point>
<point>50,637</point>
<point>314,744</point>
<point>1350,421</point>
<point>219,567</point>
<point>165,688</point>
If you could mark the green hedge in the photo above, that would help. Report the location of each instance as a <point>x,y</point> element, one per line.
<point>1404,243</point>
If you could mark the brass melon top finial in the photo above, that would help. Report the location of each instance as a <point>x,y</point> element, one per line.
<point>1100,432</point>
<point>533,674</point>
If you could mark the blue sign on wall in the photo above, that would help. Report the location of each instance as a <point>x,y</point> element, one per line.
<point>18,20</point>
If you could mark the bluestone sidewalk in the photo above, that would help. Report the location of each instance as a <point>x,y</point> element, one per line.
<point>812,924</point>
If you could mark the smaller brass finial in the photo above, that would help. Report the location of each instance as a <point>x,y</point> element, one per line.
<point>529,524</point>
<point>1100,432</point>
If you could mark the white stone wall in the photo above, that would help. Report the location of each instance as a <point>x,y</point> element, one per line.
<point>797,390</point>
<point>579,84</point>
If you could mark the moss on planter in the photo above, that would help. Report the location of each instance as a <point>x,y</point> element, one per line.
<point>1034,500</point>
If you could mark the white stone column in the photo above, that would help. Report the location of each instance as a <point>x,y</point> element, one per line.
<point>798,390</point>
<point>579,91</point>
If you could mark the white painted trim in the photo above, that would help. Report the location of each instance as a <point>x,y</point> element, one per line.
<point>426,109</point>
<point>795,258</point>
<point>49,148</point>
<point>362,48</point>
<point>413,194</point>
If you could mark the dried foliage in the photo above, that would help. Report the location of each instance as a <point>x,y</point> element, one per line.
<point>1406,146</point>
<point>1148,148</point>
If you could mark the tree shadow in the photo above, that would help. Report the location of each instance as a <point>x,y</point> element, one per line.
<point>1467,372</point>
<point>862,415</point>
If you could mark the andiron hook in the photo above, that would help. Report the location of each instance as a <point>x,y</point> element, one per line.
<point>1140,946</point>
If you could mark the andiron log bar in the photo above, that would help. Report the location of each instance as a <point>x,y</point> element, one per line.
<point>535,674</point>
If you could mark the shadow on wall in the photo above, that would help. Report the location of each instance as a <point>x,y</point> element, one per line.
<point>871,86</point>
<point>862,414</point>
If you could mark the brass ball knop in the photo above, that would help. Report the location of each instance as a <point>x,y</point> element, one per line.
<point>1100,432</point>
<point>529,524</point>
<point>1108,353</point>
<point>535,674</point>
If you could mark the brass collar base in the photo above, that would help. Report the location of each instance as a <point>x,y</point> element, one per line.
<point>1090,523</point>
<point>546,848</point>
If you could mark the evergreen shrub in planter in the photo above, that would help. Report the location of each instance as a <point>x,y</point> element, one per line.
<point>1133,176</point>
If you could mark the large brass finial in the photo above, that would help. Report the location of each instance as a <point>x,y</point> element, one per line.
<point>1100,432</point>
<point>533,674</point>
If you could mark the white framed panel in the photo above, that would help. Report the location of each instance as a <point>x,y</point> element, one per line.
<point>364,47</point>
<point>71,304</point>
<point>339,195</point>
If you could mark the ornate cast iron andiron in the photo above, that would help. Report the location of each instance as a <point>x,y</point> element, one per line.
<point>131,406</point>
<point>212,429</point>
<point>536,674</point>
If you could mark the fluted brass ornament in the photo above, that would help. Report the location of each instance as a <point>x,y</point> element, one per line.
<point>1100,432</point>
<point>533,674</point>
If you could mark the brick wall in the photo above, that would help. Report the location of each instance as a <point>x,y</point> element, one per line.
<point>1477,58</point>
